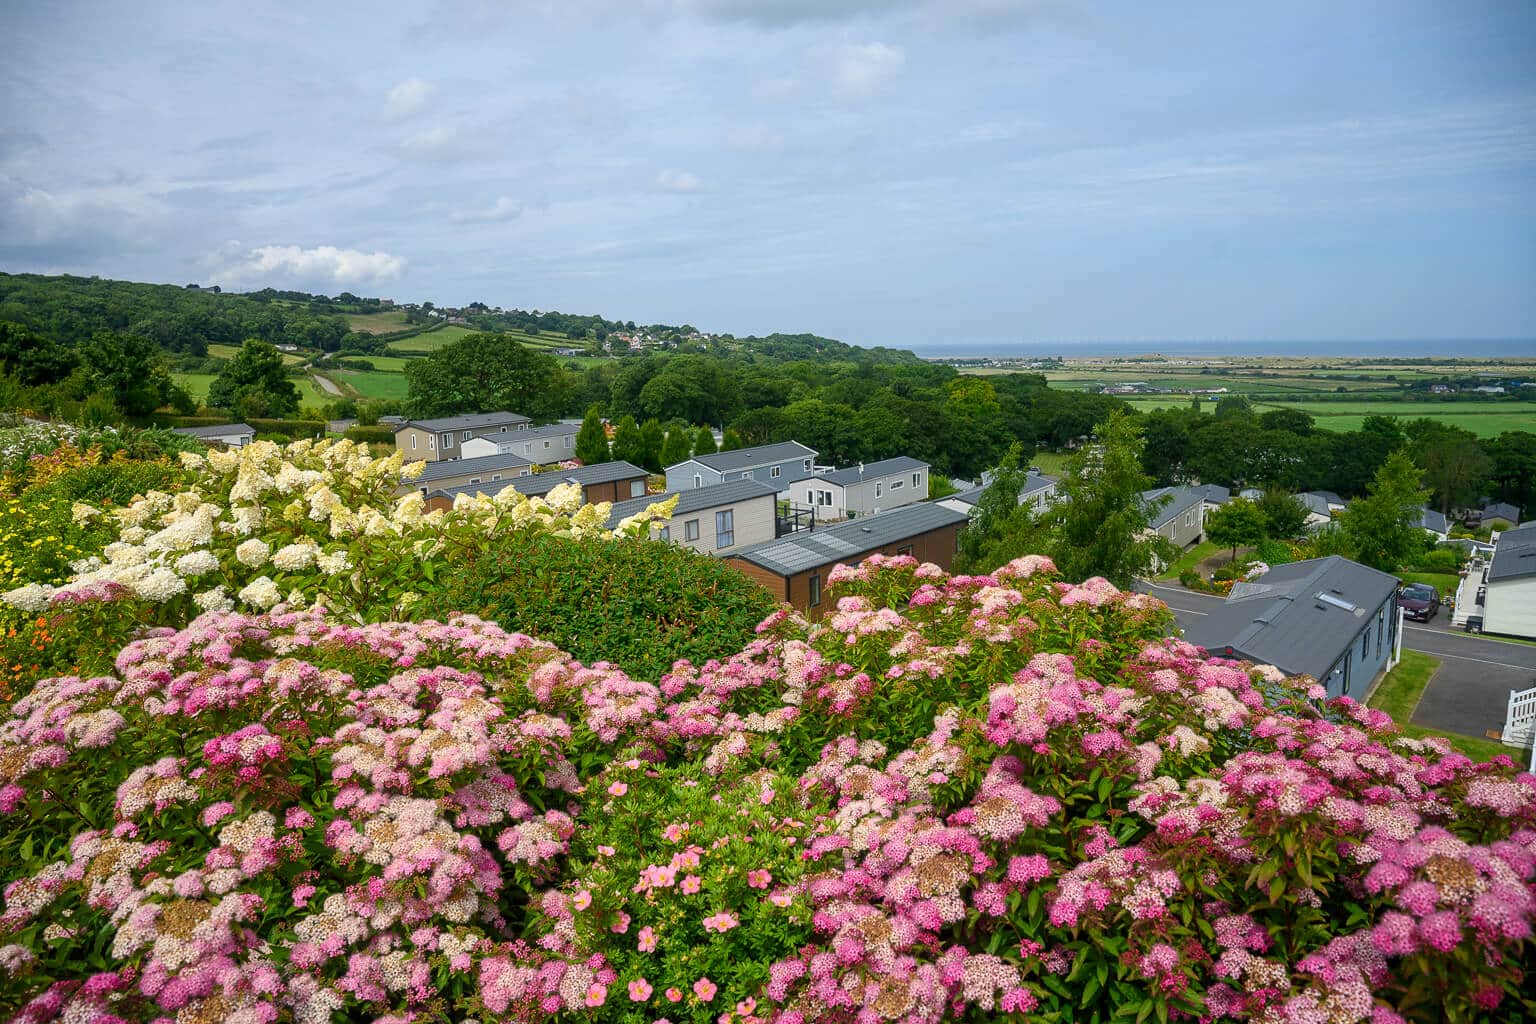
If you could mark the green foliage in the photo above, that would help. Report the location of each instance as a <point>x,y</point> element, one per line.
<point>1101,523</point>
<point>130,368</point>
<point>730,441</point>
<point>486,373</point>
<point>109,483</point>
<point>652,440</point>
<point>370,435</point>
<point>704,442</point>
<point>940,486</point>
<point>1239,522</point>
<point>628,442</point>
<point>1283,515</point>
<point>255,383</point>
<point>1380,528</point>
<point>1001,529</point>
<point>639,604</point>
<point>592,440</point>
<point>1455,467</point>
<point>678,446</point>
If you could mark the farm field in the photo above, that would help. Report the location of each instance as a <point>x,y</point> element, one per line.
<point>377,323</point>
<point>230,351</point>
<point>196,384</point>
<point>376,384</point>
<point>387,364</point>
<point>1484,424</point>
<point>431,341</point>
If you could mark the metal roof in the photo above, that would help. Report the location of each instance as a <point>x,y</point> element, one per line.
<point>1313,502</point>
<point>696,499</point>
<point>848,542</point>
<point>468,421</point>
<point>459,467</point>
<point>1514,555</point>
<point>1300,617</point>
<point>1433,519</point>
<point>542,483</point>
<point>1501,510</point>
<point>1213,493</point>
<point>1184,498</point>
<point>751,458</point>
<point>1032,482</point>
<point>875,470</point>
<point>222,430</point>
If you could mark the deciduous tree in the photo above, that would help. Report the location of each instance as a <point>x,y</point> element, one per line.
<point>1239,522</point>
<point>1101,522</point>
<point>1381,528</point>
<point>255,383</point>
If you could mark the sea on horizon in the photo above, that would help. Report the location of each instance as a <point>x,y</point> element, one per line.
<point>1424,348</point>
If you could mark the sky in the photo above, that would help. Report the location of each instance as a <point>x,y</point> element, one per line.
<point>899,172</point>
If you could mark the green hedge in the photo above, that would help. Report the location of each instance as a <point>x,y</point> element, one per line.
<point>639,604</point>
<point>370,435</point>
<point>294,429</point>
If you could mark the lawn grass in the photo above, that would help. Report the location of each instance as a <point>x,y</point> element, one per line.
<point>375,384</point>
<point>1191,558</point>
<point>1485,419</point>
<point>387,364</point>
<point>195,384</point>
<point>1444,582</point>
<point>1398,695</point>
<point>377,323</point>
<point>1050,463</point>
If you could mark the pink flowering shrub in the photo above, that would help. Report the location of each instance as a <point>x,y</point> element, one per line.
<point>986,798</point>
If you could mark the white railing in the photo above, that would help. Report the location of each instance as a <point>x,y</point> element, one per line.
<point>1520,719</point>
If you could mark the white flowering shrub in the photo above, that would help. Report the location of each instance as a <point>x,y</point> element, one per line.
<point>314,522</point>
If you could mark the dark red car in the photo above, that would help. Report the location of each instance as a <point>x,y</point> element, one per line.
<point>1419,601</point>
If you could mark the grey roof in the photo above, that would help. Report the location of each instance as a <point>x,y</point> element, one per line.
<point>460,467</point>
<point>1213,493</point>
<point>1501,510</point>
<point>1330,497</point>
<point>1295,616</point>
<point>1514,555</point>
<point>848,542</point>
<point>1183,498</point>
<point>468,421</point>
<point>548,430</point>
<point>223,430</point>
<point>1032,482</point>
<point>1434,520</point>
<point>875,470</point>
<point>1314,502</point>
<point>751,458</point>
<point>542,483</point>
<point>696,499</point>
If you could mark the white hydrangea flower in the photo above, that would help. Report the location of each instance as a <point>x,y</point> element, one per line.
<point>31,598</point>
<point>192,461</point>
<point>253,552</point>
<point>82,513</point>
<point>134,535</point>
<point>196,563</point>
<point>160,585</point>
<point>260,593</point>
<point>333,563</point>
<point>293,557</point>
<point>247,519</point>
<point>215,600</point>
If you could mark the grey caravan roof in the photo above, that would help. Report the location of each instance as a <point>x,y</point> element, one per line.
<point>695,499</point>
<point>1300,617</point>
<point>751,458</point>
<point>459,467</point>
<point>542,483</point>
<point>1183,498</point>
<point>847,542</point>
<point>1514,555</point>
<point>873,470</point>
<point>468,421</point>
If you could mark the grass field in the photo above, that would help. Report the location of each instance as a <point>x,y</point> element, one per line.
<point>1485,419</point>
<point>309,393</point>
<point>230,351</point>
<point>377,323</point>
<point>377,384</point>
<point>387,364</point>
<point>196,384</point>
<point>432,340</point>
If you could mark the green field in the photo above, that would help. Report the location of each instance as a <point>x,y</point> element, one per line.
<point>196,384</point>
<point>387,364</point>
<point>1485,419</point>
<point>377,323</point>
<point>230,351</point>
<point>431,341</point>
<point>309,393</point>
<point>377,384</point>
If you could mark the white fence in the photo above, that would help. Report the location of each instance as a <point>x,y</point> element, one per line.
<point>1520,719</point>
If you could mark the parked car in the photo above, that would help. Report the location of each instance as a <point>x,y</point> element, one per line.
<point>1419,601</point>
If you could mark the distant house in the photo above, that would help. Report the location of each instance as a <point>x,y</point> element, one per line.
<point>777,464</point>
<point>1251,493</point>
<point>1500,510</point>
<point>1180,516</point>
<point>1498,593</point>
<point>543,446</point>
<point>795,568</point>
<point>1037,492</point>
<point>439,439</point>
<point>863,489</point>
<point>1214,495</point>
<point>481,470</point>
<point>231,435</point>
<point>712,519</point>
<point>606,481</point>
<point>1332,619</point>
<point>1434,523</point>
<point>339,426</point>
<point>1335,503</point>
<point>1318,511</point>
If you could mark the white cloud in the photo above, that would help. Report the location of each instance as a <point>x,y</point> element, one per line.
<point>504,208</point>
<point>433,143</point>
<point>324,264</point>
<point>408,99</point>
<point>679,181</point>
<point>859,71</point>
<point>754,138</point>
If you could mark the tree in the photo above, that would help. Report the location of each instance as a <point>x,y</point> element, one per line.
<point>704,442</point>
<point>1001,529</point>
<point>1514,467</point>
<point>32,358</point>
<point>1382,527</point>
<point>1454,464</point>
<point>1284,516</point>
<point>628,444</point>
<point>592,440</point>
<point>652,439</point>
<point>255,383</point>
<point>131,369</point>
<point>488,373</point>
<point>1102,523</point>
<point>1237,523</point>
<point>1230,407</point>
<point>678,447</point>
<point>730,441</point>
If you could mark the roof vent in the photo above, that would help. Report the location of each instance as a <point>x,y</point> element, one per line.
<point>1337,602</point>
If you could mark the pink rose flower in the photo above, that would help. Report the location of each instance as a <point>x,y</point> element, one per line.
<point>639,990</point>
<point>705,989</point>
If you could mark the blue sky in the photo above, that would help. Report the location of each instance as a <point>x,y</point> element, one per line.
<point>901,172</point>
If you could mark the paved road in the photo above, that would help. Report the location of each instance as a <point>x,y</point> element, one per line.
<point>325,383</point>
<point>1467,695</point>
